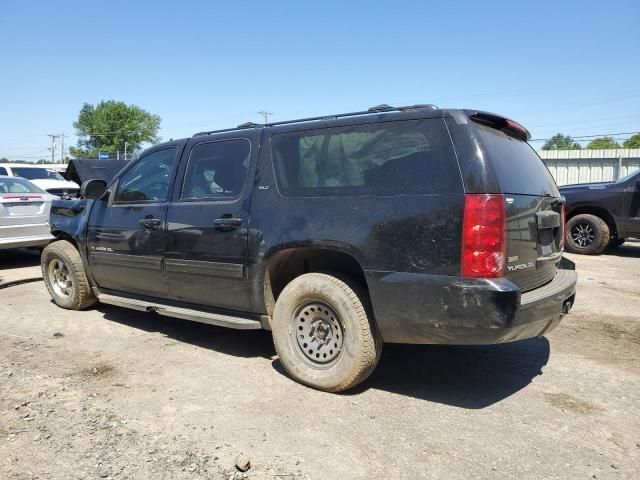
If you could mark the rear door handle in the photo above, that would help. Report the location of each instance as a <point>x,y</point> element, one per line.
<point>150,223</point>
<point>226,224</point>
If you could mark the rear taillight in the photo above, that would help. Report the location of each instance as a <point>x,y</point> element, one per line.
<point>563,225</point>
<point>484,232</point>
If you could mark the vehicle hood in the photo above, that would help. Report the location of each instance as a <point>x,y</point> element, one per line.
<point>46,184</point>
<point>80,171</point>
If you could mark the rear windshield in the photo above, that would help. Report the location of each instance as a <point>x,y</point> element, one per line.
<point>36,173</point>
<point>518,167</point>
<point>402,157</point>
<point>17,185</point>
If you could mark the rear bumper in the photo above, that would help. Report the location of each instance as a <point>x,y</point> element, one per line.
<point>23,242</point>
<point>415,308</point>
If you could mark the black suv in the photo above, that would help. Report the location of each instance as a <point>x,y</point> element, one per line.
<point>602,214</point>
<point>338,233</point>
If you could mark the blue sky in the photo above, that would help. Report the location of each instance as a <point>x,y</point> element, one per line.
<point>568,66</point>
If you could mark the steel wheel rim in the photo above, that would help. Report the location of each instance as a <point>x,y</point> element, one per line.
<point>319,334</point>
<point>60,278</point>
<point>582,234</point>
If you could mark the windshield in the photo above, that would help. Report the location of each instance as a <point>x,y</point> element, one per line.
<point>36,173</point>
<point>17,185</point>
<point>629,176</point>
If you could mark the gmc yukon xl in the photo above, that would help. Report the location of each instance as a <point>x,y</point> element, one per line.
<point>338,233</point>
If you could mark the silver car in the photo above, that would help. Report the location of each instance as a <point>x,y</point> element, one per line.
<point>24,214</point>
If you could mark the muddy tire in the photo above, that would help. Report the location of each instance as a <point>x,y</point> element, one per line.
<point>64,276</point>
<point>324,332</point>
<point>587,234</point>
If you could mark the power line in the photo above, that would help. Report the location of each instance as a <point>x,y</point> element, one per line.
<point>576,137</point>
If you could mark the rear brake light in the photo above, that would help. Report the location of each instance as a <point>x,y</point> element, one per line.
<point>563,225</point>
<point>484,232</point>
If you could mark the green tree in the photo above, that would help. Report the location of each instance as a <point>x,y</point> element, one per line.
<point>4,160</point>
<point>561,142</point>
<point>107,126</point>
<point>603,143</point>
<point>632,142</point>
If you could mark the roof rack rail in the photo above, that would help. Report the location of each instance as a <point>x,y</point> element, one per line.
<point>383,108</point>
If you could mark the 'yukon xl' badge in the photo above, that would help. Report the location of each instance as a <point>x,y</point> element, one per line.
<point>520,266</point>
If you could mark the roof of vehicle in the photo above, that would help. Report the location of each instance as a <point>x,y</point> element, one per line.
<point>27,165</point>
<point>379,113</point>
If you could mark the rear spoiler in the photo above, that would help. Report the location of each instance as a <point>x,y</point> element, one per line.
<point>496,121</point>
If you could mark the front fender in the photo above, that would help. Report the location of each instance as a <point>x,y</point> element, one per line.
<point>68,219</point>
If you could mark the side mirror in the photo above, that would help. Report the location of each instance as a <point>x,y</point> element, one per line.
<point>93,189</point>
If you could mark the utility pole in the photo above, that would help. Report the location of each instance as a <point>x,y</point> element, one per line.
<point>265,114</point>
<point>125,150</point>
<point>53,146</point>
<point>62,148</point>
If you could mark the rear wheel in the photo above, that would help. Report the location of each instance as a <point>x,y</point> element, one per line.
<point>587,234</point>
<point>323,332</point>
<point>65,277</point>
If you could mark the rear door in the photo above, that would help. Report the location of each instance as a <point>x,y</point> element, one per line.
<point>533,206</point>
<point>126,233</point>
<point>208,221</point>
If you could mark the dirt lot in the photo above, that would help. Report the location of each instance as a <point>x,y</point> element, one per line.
<point>119,394</point>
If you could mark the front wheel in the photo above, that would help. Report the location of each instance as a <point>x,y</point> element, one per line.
<point>323,332</point>
<point>65,277</point>
<point>587,234</point>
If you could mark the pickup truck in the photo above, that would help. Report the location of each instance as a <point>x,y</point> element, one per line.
<point>602,214</point>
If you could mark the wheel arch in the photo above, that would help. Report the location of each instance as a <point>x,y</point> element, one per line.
<point>598,211</point>
<point>61,235</point>
<point>284,265</point>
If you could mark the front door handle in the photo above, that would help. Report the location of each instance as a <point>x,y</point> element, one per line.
<point>150,223</point>
<point>227,224</point>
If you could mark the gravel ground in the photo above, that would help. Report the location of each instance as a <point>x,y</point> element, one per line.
<point>112,393</point>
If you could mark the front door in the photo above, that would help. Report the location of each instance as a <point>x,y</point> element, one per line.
<point>126,232</point>
<point>207,223</point>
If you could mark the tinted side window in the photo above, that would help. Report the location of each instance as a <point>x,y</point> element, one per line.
<point>3,171</point>
<point>216,169</point>
<point>149,179</point>
<point>404,157</point>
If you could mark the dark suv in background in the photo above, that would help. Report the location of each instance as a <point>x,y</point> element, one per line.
<point>338,233</point>
<point>602,214</point>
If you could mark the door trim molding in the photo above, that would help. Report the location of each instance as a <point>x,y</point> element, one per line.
<point>126,261</point>
<point>209,269</point>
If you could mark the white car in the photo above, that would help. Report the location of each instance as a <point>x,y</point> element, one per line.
<point>24,214</point>
<point>45,178</point>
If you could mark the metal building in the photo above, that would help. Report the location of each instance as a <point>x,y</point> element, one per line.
<point>584,166</point>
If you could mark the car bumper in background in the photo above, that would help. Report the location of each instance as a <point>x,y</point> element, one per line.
<point>20,236</point>
<point>415,308</point>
